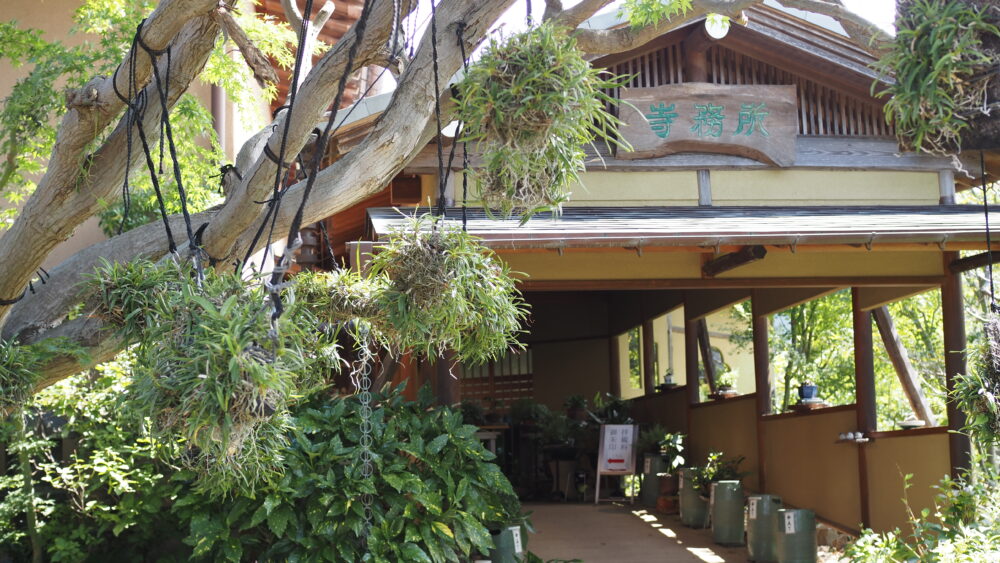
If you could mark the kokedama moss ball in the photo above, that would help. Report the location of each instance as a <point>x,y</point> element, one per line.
<point>429,288</point>
<point>210,373</point>
<point>530,103</point>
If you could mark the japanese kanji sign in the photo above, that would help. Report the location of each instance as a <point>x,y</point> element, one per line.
<point>753,121</point>
<point>617,449</point>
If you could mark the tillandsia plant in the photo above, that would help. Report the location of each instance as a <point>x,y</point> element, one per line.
<point>211,373</point>
<point>19,365</point>
<point>429,288</point>
<point>977,391</point>
<point>941,73</point>
<point>531,103</point>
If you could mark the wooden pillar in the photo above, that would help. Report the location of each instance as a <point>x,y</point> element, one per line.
<point>762,383</point>
<point>864,365</point>
<point>446,383</point>
<point>614,367</point>
<point>955,344</point>
<point>691,358</point>
<point>864,392</point>
<point>648,358</point>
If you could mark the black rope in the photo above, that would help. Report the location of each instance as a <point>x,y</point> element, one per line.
<point>294,238</point>
<point>130,120</point>
<point>326,244</point>
<point>5,302</point>
<point>465,145</point>
<point>275,203</point>
<point>442,175</point>
<point>989,241</point>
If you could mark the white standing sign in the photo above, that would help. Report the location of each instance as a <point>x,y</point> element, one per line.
<point>616,453</point>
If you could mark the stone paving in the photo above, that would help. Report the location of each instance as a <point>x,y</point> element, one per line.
<point>620,533</point>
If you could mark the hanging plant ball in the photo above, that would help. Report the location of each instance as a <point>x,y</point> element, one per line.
<point>210,373</point>
<point>531,102</point>
<point>429,288</point>
<point>977,392</point>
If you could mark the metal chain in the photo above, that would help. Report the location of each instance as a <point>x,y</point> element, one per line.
<point>363,372</point>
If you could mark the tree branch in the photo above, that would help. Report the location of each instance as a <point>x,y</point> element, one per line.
<point>574,16</point>
<point>72,186</point>
<point>858,28</point>
<point>312,100</point>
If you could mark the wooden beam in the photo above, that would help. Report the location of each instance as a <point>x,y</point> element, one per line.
<point>953,317</point>
<point>960,265</point>
<point>864,391</point>
<point>705,345</point>
<point>692,381</point>
<point>704,187</point>
<point>901,362</point>
<point>870,298</point>
<point>627,309</point>
<point>648,358</point>
<point>726,283</point>
<point>814,153</point>
<point>746,255</point>
<point>698,304</point>
<point>762,383</point>
<point>449,391</point>
<point>771,301</point>
<point>614,367</point>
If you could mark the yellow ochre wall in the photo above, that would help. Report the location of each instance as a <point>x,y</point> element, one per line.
<point>728,426</point>
<point>889,458</point>
<point>622,189</point>
<point>668,409</point>
<point>808,469</point>
<point>823,187</point>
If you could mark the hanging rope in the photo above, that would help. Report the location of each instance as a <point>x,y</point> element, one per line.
<point>461,127</point>
<point>294,238</point>
<point>989,241</point>
<point>442,176</point>
<point>274,203</point>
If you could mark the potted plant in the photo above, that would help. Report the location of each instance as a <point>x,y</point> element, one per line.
<point>726,384</point>
<point>808,391</point>
<point>508,529</point>
<point>473,413</point>
<point>696,487</point>
<point>576,407</point>
<point>672,452</point>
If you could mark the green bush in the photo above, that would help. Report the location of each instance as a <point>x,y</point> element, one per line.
<point>963,527</point>
<point>435,492</point>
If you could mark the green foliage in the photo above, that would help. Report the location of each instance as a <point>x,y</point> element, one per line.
<point>727,379</point>
<point>428,289</point>
<point>19,366</point>
<point>717,468</point>
<point>609,409</point>
<point>939,65</point>
<point>670,445</point>
<point>531,102</point>
<point>436,494</point>
<point>642,13</point>
<point>963,527</point>
<point>977,391</point>
<point>210,373</point>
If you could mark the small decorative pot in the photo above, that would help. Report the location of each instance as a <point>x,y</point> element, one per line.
<point>808,391</point>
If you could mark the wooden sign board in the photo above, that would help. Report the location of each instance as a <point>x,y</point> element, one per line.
<point>758,122</point>
<point>615,453</point>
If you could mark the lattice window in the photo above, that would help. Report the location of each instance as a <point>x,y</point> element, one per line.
<point>504,381</point>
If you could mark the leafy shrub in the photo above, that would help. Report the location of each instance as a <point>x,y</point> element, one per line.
<point>531,102</point>
<point>435,492</point>
<point>939,65</point>
<point>977,391</point>
<point>964,527</point>
<point>717,468</point>
<point>19,365</point>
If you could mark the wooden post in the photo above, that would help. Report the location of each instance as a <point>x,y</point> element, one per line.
<point>762,380</point>
<point>908,377</point>
<point>614,367</point>
<point>691,379</point>
<point>953,319</point>
<point>864,390</point>
<point>695,47</point>
<point>448,386</point>
<point>707,361</point>
<point>972,262</point>
<point>648,358</point>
